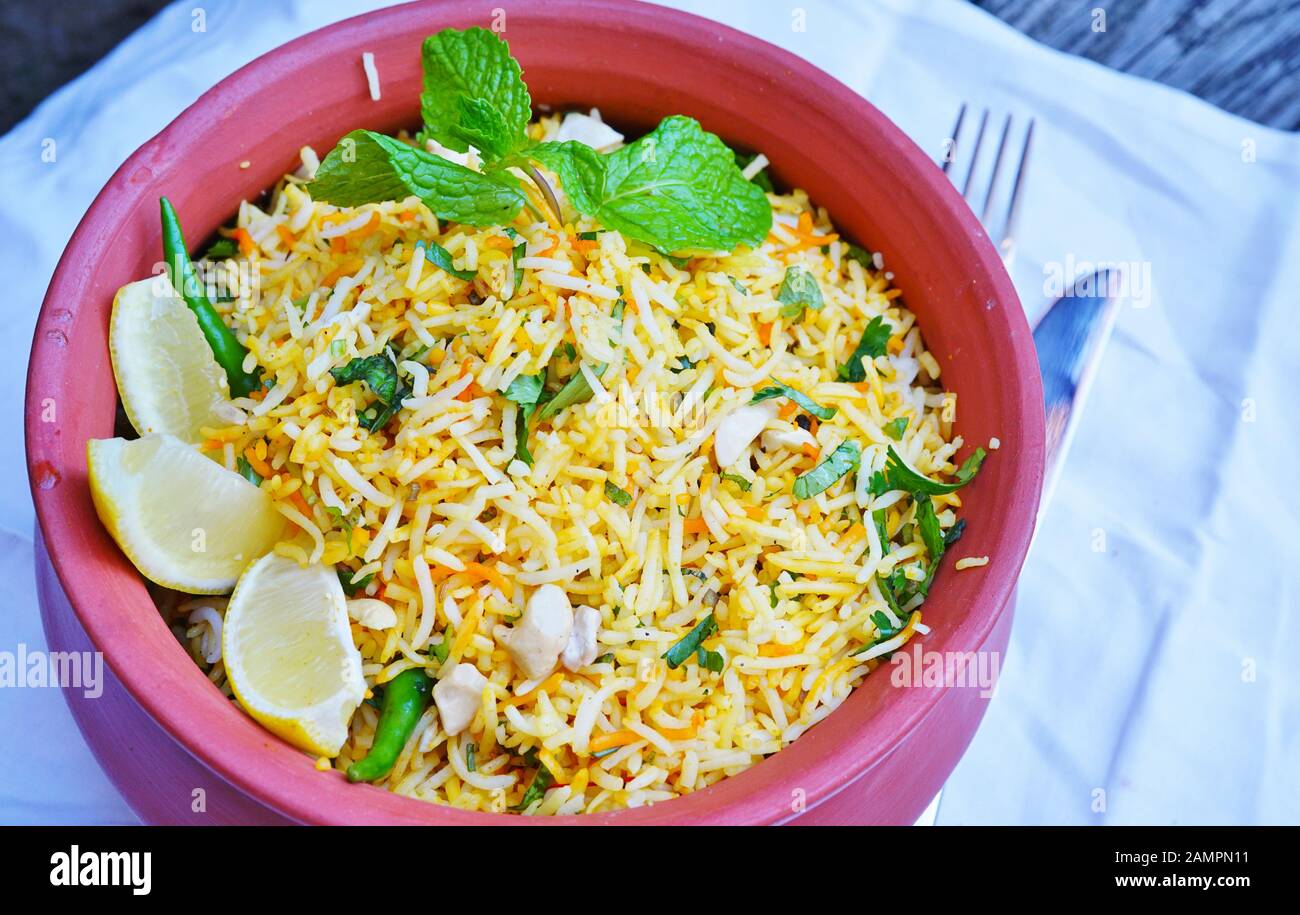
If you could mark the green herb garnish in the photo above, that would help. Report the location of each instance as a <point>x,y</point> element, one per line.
<point>676,188</point>
<point>440,650</point>
<point>896,427</point>
<point>247,472</point>
<point>872,344</point>
<point>616,495</point>
<point>799,290</point>
<point>898,475</point>
<point>221,249</point>
<point>351,586</point>
<point>368,167</point>
<point>691,642</point>
<point>740,481</point>
<point>542,780</point>
<point>803,400</point>
<point>377,371</point>
<point>843,460</point>
<point>440,257</point>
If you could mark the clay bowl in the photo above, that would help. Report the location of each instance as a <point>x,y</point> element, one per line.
<point>883,755</point>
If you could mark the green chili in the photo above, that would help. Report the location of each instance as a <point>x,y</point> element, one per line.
<point>406,697</point>
<point>226,347</point>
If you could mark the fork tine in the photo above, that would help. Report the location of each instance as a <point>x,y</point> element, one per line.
<point>950,154</point>
<point>1013,205</point>
<point>975,153</point>
<point>993,176</point>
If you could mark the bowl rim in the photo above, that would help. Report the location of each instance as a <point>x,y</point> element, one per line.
<point>733,799</point>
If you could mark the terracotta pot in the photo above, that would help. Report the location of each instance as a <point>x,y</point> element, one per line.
<point>885,752</point>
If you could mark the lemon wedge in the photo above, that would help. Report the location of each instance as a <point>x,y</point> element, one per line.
<point>168,378</point>
<point>184,520</point>
<point>289,653</point>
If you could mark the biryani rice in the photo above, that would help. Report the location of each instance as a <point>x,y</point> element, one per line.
<point>457,531</point>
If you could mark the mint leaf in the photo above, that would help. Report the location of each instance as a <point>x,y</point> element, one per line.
<point>675,188</point>
<point>525,389</point>
<point>691,642</point>
<point>861,255</point>
<point>744,484</point>
<point>577,389</point>
<point>799,290</point>
<point>351,584</point>
<point>843,460</point>
<point>896,427</point>
<point>617,495</point>
<point>221,249</point>
<point>377,371</point>
<point>247,472</point>
<point>440,257</point>
<point>874,338</point>
<point>368,167</point>
<point>474,93</point>
<point>802,399</point>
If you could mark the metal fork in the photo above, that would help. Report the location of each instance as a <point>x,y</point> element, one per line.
<point>1070,333</point>
<point>1004,233</point>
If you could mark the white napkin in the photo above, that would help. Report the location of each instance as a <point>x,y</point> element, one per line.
<point>1150,675</point>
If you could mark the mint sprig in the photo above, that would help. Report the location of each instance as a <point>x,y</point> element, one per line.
<point>367,167</point>
<point>474,93</point>
<point>676,188</point>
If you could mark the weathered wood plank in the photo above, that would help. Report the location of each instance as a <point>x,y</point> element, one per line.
<point>1241,55</point>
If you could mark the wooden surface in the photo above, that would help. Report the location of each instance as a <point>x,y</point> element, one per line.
<point>1241,55</point>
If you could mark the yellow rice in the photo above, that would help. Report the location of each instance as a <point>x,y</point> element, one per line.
<point>333,284</point>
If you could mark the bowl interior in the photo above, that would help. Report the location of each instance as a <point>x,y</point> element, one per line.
<point>636,63</point>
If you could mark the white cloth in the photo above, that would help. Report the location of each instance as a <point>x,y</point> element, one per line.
<point>1151,671</point>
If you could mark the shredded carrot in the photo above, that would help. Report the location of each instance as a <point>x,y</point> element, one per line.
<point>246,244</point>
<point>852,535</point>
<point>263,469</point>
<point>756,512</point>
<point>583,244</point>
<point>469,393</point>
<point>549,685</point>
<point>300,503</point>
<point>787,409</point>
<point>466,631</point>
<point>490,574</point>
<point>363,230</point>
<point>613,739</point>
<point>351,265</point>
<point>765,333</point>
<point>498,243</point>
<point>773,650</point>
<point>678,733</point>
<point>555,243</point>
<point>694,525</point>
<point>211,444</point>
<point>862,386</point>
<point>339,244</point>
<point>894,346</point>
<point>286,236</point>
<point>812,451</point>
